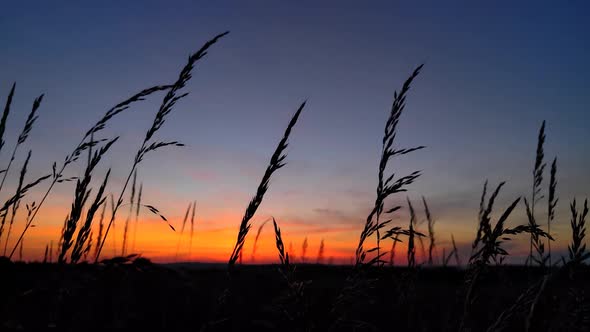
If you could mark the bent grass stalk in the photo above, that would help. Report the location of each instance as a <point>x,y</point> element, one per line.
<point>83,145</point>
<point>190,242</point>
<point>5,114</point>
<point>130,214</point>
<point>387,187</point>
<point>255,246</point>
<point>165,108</point>
<point>138,207</point>
<point>277,161</point>
<point>23,135</point>
<point>188,210</point>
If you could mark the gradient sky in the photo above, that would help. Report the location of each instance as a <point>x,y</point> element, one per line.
<point>493,72</point>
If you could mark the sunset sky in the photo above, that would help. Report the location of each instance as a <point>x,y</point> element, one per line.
<point>493,72</point>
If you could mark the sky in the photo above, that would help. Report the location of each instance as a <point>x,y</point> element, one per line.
<point>493,72</point>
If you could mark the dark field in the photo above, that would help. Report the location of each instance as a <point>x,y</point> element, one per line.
<point>141,295</point>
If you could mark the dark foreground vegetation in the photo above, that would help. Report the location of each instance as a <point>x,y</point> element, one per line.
<point>141,295</point>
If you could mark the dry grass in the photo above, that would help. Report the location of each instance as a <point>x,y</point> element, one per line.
<point>577,249</point>
<point>255,245</point>
<point>277,161</point>
<point>148,145</point>
<point>488,247</point>
<point>320,257</point>
<point>190,241</point>
<point>138,207</point>
<point>24,133</point>
<point>539,167</point>
<point>188,210</point>
<point>5,116</point>
<point>129,215</point>
<point>81,195</point>
<point>387,186</point>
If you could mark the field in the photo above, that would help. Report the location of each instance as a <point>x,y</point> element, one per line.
<point>144,295</point>
<point>82,289</point>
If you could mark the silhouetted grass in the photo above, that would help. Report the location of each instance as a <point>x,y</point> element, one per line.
<point>577,249</point>
<point>57,173</point>
<point>539,167</point>
<point>5,114</point>
<point>188,210</point>
<point>81,195</point>
<point>128,291</point>
<point>190,241</point>
<point>276,162</point>
<point>22,137</point>
<point>386,186</point>
<point>255,245</point>
<point>149,145</point>
<point>138,207</point>
<point>129,215</point>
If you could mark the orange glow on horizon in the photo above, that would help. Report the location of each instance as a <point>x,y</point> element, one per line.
<point>213,242</point>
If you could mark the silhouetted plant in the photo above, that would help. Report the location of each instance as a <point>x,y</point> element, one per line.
<point>5,116</point>
<point>24,133</point>
<point>100,228</point>
<point>320,257</point>
<point>12,204</point>
<point>81,195</point>
<point>84,144</point>
<point>276,162</point>
<point>577,248</point>
<point>432,243</point>
<point>386,186</point>
<point>130,214</point>
<point>255,245</point>
<point>303,250</point>
<point>539,167</point>
<point>292,304</point>
<point>149,145</point>
<point>487,245</point>
<point>551,202</point>
<point>138,207</point>
<point>188,210</point>
<point>190,241</point>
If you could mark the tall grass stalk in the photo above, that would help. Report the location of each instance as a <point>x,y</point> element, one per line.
<point>577,249</point>
<point>487,246</point>
<point>130,214</point>
<point>303,250</point>
<point>411,254</point>
<point>83,241</point>
<point>138,207</point>
<point>386,186</point>
<point>276,162</point>
<point>13,203</point>
<point>430,221</point>
<point>100,227</point>
<point>81,195</point>
<point>188,210</point>
<point>551,202</point>
<point>114,229</point>
<point>320,257</point>
<point>392,253</point>
<point>149,145</point>
<point>22,137</point>
<point>539,167</point>
<point>190,241</point>
<point>5,114</point>
<point>84,144</point>
<point>255,246</point>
